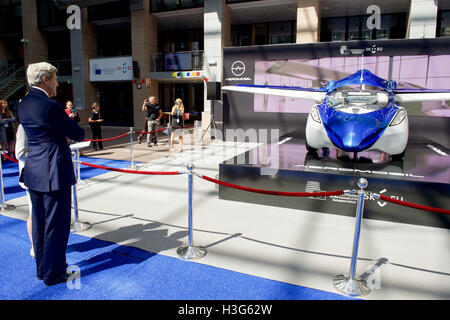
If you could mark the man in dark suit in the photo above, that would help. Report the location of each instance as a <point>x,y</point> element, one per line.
<point>48,171</point>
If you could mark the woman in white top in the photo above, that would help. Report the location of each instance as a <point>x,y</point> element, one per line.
<point>21,155</point>
<point>177,123</point>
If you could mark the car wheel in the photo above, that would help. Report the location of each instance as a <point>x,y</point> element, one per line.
<point>309,148</point>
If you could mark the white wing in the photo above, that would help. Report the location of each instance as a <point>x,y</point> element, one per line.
<point>422,96</point>
<point>300,94</point>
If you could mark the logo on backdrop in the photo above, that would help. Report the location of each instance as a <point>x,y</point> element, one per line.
<point>238,68</point>
<point>359,51</point>
<point>124,67</point>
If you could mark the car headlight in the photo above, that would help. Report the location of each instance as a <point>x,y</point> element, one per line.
<point>401,114</point>
<point>315,114</point>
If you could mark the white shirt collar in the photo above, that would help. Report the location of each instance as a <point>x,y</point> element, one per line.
<point>41,90</point>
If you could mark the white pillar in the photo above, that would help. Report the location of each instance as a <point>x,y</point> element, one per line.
<point>216,36</point>
<point>308,21</point>
<point>422,19</point>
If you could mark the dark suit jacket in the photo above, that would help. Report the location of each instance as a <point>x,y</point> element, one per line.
<point>48,166</point>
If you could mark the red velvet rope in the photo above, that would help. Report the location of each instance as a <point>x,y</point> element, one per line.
<point>108,139</point>
<point>416,206</point>
<point>167,173</point>
<point>10,159</point>
<point>144,132</point>
<point>160,130</point>
<point>276,193</point>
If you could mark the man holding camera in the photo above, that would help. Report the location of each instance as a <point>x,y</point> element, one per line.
<point>154,114</point>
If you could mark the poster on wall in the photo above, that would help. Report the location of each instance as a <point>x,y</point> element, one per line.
<point>111,69</point>
<point>414,64</point>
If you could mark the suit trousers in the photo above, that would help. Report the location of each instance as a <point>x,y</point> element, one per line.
<point>51,228</point>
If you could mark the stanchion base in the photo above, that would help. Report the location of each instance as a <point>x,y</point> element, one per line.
<point>189,253</point>
<point>80,226</point>
<point>350,287</point>
<point>7,207</point>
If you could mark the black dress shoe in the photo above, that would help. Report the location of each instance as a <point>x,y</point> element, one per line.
<point>60,279</point>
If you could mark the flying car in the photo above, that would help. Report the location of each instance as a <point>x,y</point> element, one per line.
<point>357,113</point>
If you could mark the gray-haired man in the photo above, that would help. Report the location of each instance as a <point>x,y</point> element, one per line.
<point>48,171</point>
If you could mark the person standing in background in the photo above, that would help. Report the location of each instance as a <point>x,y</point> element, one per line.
<point>154,114</point>
<point>72,112</point>
<point>177,124</point>
<point>95,121</point>
<point>7,116</point>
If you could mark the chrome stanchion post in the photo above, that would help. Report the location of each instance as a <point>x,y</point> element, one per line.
<point>196,135</point>
<point>349,285</point>
<point>190,251</point>
<point>132,166</point>
<point>79,181</point>
<point>4,207</point>
<point>77,226</point>
<point>169,135</point>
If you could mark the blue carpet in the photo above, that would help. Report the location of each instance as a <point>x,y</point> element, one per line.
<point>113,272</point>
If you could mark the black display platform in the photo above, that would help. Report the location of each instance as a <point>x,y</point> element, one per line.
<point>422,177</point>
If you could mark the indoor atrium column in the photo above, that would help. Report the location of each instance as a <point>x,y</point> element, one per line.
<point>83,48</point>
<point>34,41</point>
<point>144,44</point>
<point>308,21</point>
<point>217,35</point>
<point>422,19</point>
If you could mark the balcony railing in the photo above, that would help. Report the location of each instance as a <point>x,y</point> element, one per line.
<point>177,61</point>
<point>6,71</point>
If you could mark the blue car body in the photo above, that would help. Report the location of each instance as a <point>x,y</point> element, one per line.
<point>357,132</point>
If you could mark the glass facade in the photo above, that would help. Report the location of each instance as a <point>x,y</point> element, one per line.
<point>443,25</point>
<point>180,40</point>
<point>393,26</point>
<point>114,39</point>
<point>239,1</point>
<point>10,35</point>
<point>263,33</point>
<point>116,103</point>
<point>168,5</point>
<point>10,17</point>
<point>113,10</point>
<point>59,45</point>
<point>49,16</point>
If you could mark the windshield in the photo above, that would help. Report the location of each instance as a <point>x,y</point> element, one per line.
<point>358,101</point>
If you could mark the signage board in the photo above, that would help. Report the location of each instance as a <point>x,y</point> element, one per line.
<point>111,69</point>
